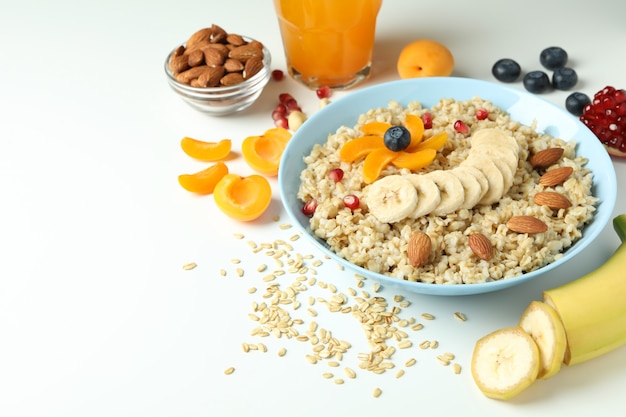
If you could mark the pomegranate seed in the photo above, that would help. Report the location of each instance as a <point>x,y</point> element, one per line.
<point>282,122</point>
<point>284,97</point>
<point>336,174</point>
<point>292,105</point>
<point>604,116</point>
<point>482,114</point>
<point>461,127</point>
<point>278,75</point>
<point>309,207</point>
<point>323,92</point>
<point>351,201</point>
<point>277,114</point>
<point>427,119</point>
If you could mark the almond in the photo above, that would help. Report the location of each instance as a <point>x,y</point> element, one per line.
<point>252,67</point>
<point>195,58</point>
<point>546,157</point>
<point>231,78</point>
<point>555,176</point>
<point>213,57</point>
<point>526,224</point>
<point>179,64</point>
<point>232,65</point>
<point>218,35</point>
<point>211,77</point>
<point>190,74</point>
<point>245,52</point>
<point>199,36</point>
<point>419,249</point>
<point>481,246</point>
<point>234,39</point>
<point>552,199</point>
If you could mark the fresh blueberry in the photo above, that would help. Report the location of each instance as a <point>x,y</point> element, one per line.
<point>576,102</point>
<point>397,138</point>
<point>536,82</point>
<point>506,70</point>
<point>553,57</point>
<point>564,78</point>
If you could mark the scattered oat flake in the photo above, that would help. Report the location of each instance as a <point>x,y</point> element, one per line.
<point>460,316</point>
<point>189,266</point>
<point>377,392</point>
<point>229,371</point>
<point>238,236</point>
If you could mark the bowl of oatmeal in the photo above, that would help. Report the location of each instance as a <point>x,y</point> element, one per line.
<point>491,188</point>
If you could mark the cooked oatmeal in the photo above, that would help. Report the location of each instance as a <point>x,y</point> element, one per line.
<point>359,237</point>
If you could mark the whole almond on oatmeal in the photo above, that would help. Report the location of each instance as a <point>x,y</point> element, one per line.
<point>480,245</point>
<point>546,157</point>
<point>552,199</point>
<point>419,249</point>
<point>526,224</point>
<point>555,176</point>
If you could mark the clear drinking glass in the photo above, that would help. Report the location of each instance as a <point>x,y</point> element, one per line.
<point>328,42</point>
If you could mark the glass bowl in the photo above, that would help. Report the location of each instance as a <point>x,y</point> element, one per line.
<point>223,100</point>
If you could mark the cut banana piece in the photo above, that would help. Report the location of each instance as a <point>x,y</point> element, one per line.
<point>498,145</point>
<point>478,174</point>
<point>472,188</point>
<point>391,198</point>
<point>450,189</point>
<point>428,195</point>
<point>495,191</point>
<point>505,363</point>
<point>544,325</point>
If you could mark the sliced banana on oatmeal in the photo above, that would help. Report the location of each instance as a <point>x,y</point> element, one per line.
<point>391,198</point>
<point>450,189</point>
<point>428,195</point>
<point>485,164</point>
<point>497,144</point>
<point>473,189</point>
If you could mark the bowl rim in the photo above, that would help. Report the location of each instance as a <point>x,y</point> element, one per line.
<point>602,215</point>
<point>258,78</point>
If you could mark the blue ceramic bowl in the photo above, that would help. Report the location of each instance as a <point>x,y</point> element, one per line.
<point>522,107</point>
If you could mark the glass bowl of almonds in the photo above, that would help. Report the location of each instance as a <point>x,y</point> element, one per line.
<point>217,72</point>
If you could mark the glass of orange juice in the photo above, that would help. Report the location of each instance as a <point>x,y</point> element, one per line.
<point>328,42</point>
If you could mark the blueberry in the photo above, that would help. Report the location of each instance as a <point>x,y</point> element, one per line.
<point>553,57</point>
<point>564,78</point>
<point>536,82</point>
<point>576,102</point>
<point>397,138</point>
<point>506,70</point>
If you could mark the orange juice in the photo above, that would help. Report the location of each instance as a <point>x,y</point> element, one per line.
<point>328,42</point>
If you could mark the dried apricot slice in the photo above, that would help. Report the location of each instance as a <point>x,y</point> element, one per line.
<point>263,153</point>
<point>203,182</point>
<point>414,160</point>
<point>375,162</point>
<point>434,142</point>
<point>243,198</point>
<point>415,126</point>
<point>359,147</point>
<point>375,128</point>
<point>206,151</point>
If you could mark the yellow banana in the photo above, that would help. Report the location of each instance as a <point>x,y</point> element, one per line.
<point>593,307</point>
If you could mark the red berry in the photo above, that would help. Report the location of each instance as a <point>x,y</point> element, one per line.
<point>309,207</point>
<point>282,122</point>
<point>605,116</point>
<point>292,105</point>
<point>336,174</point>
<point>427,119</point>
<point>461,127</point>
<point>482,114</point>
<point>283,97</point>
<point>277,75</point>
<point>351,201</point>
<point>323,92</point>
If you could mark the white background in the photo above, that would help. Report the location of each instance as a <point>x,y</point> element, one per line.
<point>97,315</point>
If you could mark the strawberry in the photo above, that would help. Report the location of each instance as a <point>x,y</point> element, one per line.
<point>606,117</point>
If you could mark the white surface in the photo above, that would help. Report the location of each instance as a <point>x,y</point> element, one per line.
<point>97,316</point>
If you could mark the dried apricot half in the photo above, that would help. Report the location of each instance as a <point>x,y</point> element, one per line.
<point>243,198</point>
<point>206,151</point>
<point>204,182</point>
<point>263,153</point>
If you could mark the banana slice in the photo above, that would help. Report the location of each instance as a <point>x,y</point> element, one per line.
<point>428,195</point>
<point>480,177</point>
<point>471,186</point>
<point>497,144</point>
<point>495,191</point>
<point>507,174</point>
<point>391,198</point>
<point>450,189</point>
<point>505,363</point>
<point>507,155</point>
<point>543,324</point>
